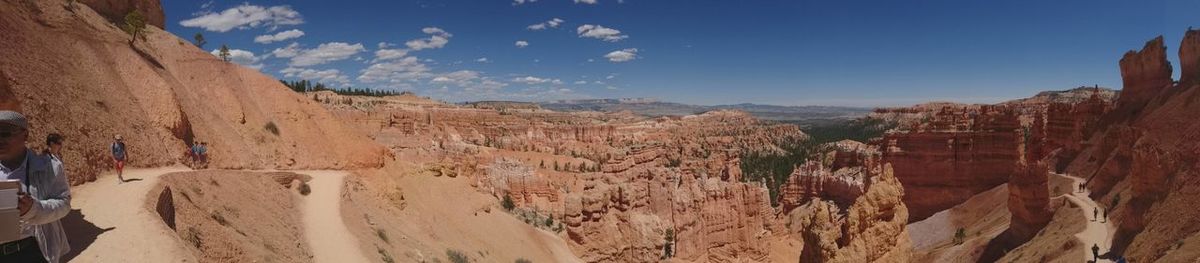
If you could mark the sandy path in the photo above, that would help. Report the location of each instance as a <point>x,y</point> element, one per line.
<point>113,225</point>
<point>1098,232</point>
<point>328,236</point>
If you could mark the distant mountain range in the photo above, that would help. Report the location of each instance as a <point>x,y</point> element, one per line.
<point>654,107</point>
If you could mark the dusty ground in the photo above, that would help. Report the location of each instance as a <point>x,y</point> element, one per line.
<point>234,216</point>
<point>109,222</point>
<point>324,229</point>
<point>982,218</point>
<point>405,215</point>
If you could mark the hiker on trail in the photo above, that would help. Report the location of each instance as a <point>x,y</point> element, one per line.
<point>118,156</point>
<point>1095,213</point>
<point>54,143</point>
<point>1105,213</point>
<point>1095,253</point>
<point>1081,187</point>
<point>43,199</point>
<point>194,153</point>
<point>204,154</point>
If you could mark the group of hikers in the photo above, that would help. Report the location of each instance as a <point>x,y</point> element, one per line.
<point>44,195</point>
<point>198,153</point>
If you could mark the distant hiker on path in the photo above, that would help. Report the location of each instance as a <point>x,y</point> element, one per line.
<point>54,144</point>
<point>118,156</point>
<point>1095,253</point>
<point>194,153</point>
<point>1105,213</point>
<point>44,196</point>
<point>1096,214</point>
<point>1081,187</point>
<point>204,154</point>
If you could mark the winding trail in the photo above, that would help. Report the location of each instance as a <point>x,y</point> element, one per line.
<point>1098,232</point>
<point>109,221</point>
<point>327,235</point>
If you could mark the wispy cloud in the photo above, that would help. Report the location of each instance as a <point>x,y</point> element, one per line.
<point>600,32</point>
<point>623,55</point>
<point>245,16</point>
<point>281,36</point>
<point>553,23</point>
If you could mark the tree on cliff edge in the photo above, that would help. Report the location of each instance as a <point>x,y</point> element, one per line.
<point>199,40</point>
<point>135,25</point>
<point>224,53</point>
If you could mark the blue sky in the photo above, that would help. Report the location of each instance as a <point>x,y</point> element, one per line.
<point>849,53</point>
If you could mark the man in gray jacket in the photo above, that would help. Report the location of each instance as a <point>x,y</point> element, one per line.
<point>44,197</point>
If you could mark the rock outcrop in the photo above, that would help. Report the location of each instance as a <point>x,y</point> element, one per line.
<point>872,230</point>
<point>1189,57</point>
<point>955,153</point>
<point>1144,74</point>
<point>1028,187</point>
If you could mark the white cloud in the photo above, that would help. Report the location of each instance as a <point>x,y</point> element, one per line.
<point>600,32</point>
<point>611,76</point>
<point>325,76</point>
<point>590,2</point>
<point>386,54</point>
<point>521,2</point>
<point>521,43</point>
<point>622,55</point>
<point>580,82</point>
<point>398,72</point>
<point>553,23</point>
<point>290,50</point>
<point>438,39</point>
<point>281,36</point>
<point>245,16</point>
<point>531,80</point>
<point>242,57</point>
<point>483,60</point>
<point>325,53</point>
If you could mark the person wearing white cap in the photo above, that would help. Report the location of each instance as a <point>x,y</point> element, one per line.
<point>44,197</point>
<point>118,156</point>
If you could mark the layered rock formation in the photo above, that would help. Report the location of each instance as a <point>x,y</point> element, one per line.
<point>1028,187</point>
<point>871,230</point>
<point>74,73</point>
<point>953,154</point>
<point>1144,74</point>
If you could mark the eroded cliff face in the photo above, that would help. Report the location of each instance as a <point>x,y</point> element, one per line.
<point>873,229</point>
<point>1142,160</point>
<point>1028,187</point>
<point>1144,74</point>
<point>955,153</point>
<point>73,72</point>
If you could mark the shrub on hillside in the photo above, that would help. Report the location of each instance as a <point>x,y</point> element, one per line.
<point>457,256</point>
<point>270,127</point>
<point>507,203</point>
